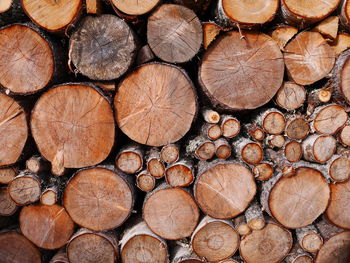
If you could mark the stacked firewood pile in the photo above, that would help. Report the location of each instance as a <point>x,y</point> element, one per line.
<point>183,131</point>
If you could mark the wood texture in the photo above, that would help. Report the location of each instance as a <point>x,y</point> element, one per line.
<point>134,7</point>
<point>7,206</point>
<point>336,249</point>
<point>290,96</point>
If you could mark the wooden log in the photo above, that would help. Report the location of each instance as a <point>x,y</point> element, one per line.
<point>199,6</point>
<point>174,33</point>
<point>307,192</point>
<point>135,8</point>
<point>272,121</point>
<point>40,12</point>
<point>222,148</point>
<point>298,255</point>
<point>210,32</point>
<point>73,137</point>
<point>340,81</point>
<point>60,257</point>
<point>248,151</point>
<point>25,188</point>
<point>337,213</point>
<point>341,43</point>
<point>224,190</point>
<point>101,247</point>
<point>339,168</point>
<point>7,174</point>
<point>345,14</point>
<point>201,148</point>
<point>180,174</point>
<point>254,216</point>
<point>14,129</point>
<point>290,96</point>
<point>48,227</point>
<point>319,148</point>
<point>326,228</point>
<point>16,248</point>
<point>344,135</point>
<point>130,159</point>
<point>36,164</point>
<point>293,151</point>
<point>254,131</point>
<point>328,27</point>
<point>140,244</point>
<point>211,116</point>
<point>184,255</point>
<point>111,56</point>
<point>268,245</point>
<point>246,14</point>
<point>316,98</point>
<point>98,198</point>
<point>93,7</point>
<point>275,141</point>
<point>155,165</point>
<point>263,171</point>
<point>336,249</point>
<point>170,153</point>
<point>241,225</point>
<point>211,131</point>
<point>282,34</point>
<point>49,196</point>
<point>11,12</point>
<point>108,86</point>
<point>160,115</point>
<point>297,127</point>
<point>230,66</point>
<point>308,58</point>
<point>144,55</point>
<point>7,206</point>
<point>309,238</point>
<point>303,14</point>
<point>145,181</point>
<point>214,239</point>
<point>230,126</point>
<point>173,205</point>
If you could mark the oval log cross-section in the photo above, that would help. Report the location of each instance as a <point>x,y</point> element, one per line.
<point>335,250</point>
<point>98,199</point>
<point>156,104</point>
<point>330,119</point>
<point>224,190</point>
<point>134,7</point>
<point>298,200</point>
<point>235,69</point>
<point>48,227</point>
<point>73,126</point>
<point>171,213</point>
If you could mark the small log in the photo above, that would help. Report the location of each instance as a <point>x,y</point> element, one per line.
<point>155,165</point>
<point>308,193</point>
<point>337,211</point>
<point>211,131</point>
<point>298,255</point>
<point>270,244</point>
<point>272,121</point>
<point>228,79</point>
<point>184,255</point>
<point>341,43</point>
<point>49,196</point>
<point>109,58</point>
<point>130,159</point>
<point>344,135</point>
<point>201,148</point>
<point>263,171</point>
<point>290,96</point>
<point>328,27</point>
<point>255,132</point>
<point>48,227</point>
<point>170,153</point>
<point>15,248</point>
<point>41,13</point>
<point>144,55</point>
<point>210,32</point>
<point>180,174</point>
<point>339,168</point>
<point>101,247</point>
<point>319,148</point>
<point>275,141</point>
<point>36,164</point>
<point>241,225</point>
<point>282,34</point>
<point>174,33</point>
<point>327,229</point>
<point>134,8</point>
<point>11,12</point>
<point>7,174</point>
<point>7,206</point>
<point>336,249</point>
<point>60,257</point>
<point>69,136</point>
<point>140,244</point>
<point>98,198</point>
<point>230,126</point>
<point>160,115</point>
<point>211,116</point>
<point>93,7</point>
<point>309,238</point>
<point>248,151</point>
<point>345,14</point>
<point>293,151</point>
<point>222,148</point>
<point>254,216</point>
<point>145,181</point>
<point>224,190</point>
<point>301,14</point>
<point>14,129</point>
<point>246,14</point>
<point>58,170</point>
<point>214,239</point>
<point>199,6</point>
<point>173,205</point>
<point>317,98</point>
<point>297,128</point>
<point>308,58</point>
<point>25,188</point>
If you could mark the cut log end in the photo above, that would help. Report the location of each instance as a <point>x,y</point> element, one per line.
<point>282,35</point>
<point>210,32</point>
<point>205,150</point>
<point>312,242</point>
<point>223,149</point>
<point>7,206</point>
<point>345,135</point>
<point>145,182</point>
<point>134,8</point>
<point>274,122</point>
<point>170,153</point>
<point>211,116</point>
<point>297,129</point>
<point>7,175</point>
<point>341,43</point>
<point>330,119</point>
<point>319,148</point>
<point>290,96</point>
<point>328,27</point>
<point>336,248</point>
<point>180,174</point>
<point>293,151</point>
<point>49,196</point>
<point>37,164</point>
<point>252,153</point>
<point>156,168</point>
<point>263,171</point>
<point>129,162</point>
<point>5,5</point>
<point>230,126</point>
<point>339,169</point>
<point>25,189</point>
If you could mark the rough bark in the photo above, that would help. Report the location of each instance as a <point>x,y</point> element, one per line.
<point>184,255</point>
<point>254,216</point>
<point>309,238</point>
<point>298,255</point>
<point>60,257</point>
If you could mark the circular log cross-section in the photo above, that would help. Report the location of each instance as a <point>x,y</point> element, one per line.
<point>13,128</point>
<point>230,126</point>
<point>52,15</point>
<point>296,201</point>
<point>319,148</point>
<point>343,74</point>
<point>145,182</point>
<point>15,248</point>
<point>290,96</point>
<point>263,171</point>
<point>7,205</point>
<point>336,249</point>
<point>252,153</point>
<point>25,189</point>
<point>297,129</point>
<point>344,135</point>
<point>129,160</point>
<point>48,227</point>
<point>170,153</point>
<point>103,47</point>
<point>224,190</point>
<point>7,174</point>
<point>87,246</point>
<point>337,211</point>
<point>274,123</point>
<point>98,199</point>
<point>330,119</point>
<point>308,58</point>
<point>233,70</point>
<point>179,174</point>
<point>73,126</point>
<point>29,60</point>
<point>268,245</point>
<point>49,196</point>
<point>171,213</point>
<point>174,33</point>
<point>134,7</point>
<point>339,169</point>
<point>156,104</point>
<point>293,151</point>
